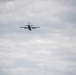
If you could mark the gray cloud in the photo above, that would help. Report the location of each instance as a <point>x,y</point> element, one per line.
<point>49,50</point>
<point>5,0</point>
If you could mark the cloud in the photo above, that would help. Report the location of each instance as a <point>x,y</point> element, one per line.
<point>5,0</point>
<point>49,50</point>
<point>22,56</point>
<point>39,11</point>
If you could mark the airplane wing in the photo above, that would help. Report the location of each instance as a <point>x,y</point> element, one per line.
<point>35,27</point>
<point>24,27</point>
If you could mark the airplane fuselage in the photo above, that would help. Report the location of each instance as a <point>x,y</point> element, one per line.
<point>29,27</point>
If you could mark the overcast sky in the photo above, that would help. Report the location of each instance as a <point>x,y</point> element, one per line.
<point>49,50</point>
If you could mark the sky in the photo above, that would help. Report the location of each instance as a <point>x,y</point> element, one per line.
<point>48,50</point>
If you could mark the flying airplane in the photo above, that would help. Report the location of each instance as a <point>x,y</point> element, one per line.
<point>29,27</point>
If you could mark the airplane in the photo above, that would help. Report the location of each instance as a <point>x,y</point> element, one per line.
<point>29,27</point>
